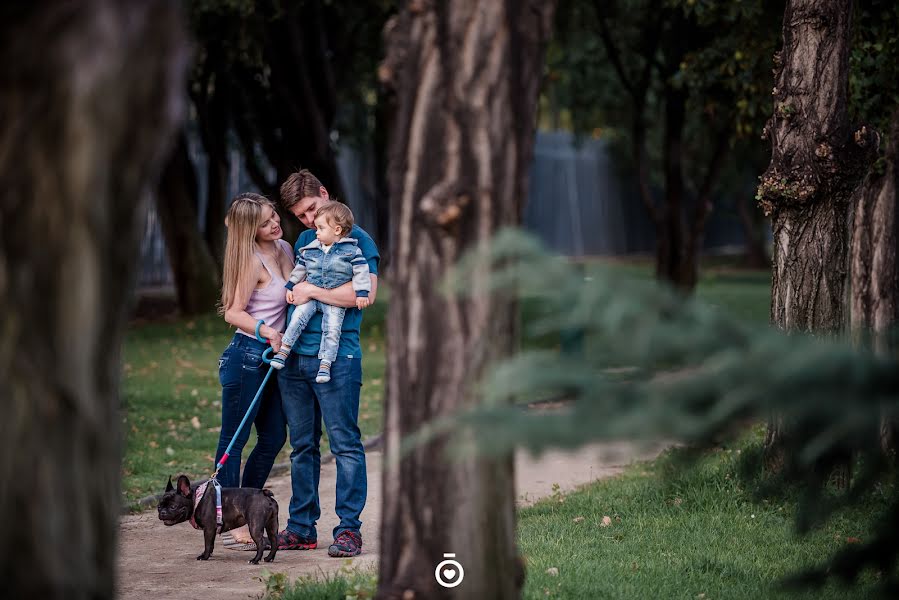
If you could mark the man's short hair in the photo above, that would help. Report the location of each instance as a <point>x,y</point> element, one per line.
<point>302,184</point>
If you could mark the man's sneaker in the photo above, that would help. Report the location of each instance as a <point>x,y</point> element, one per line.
<point>288,540</point>
<point>347,543</point>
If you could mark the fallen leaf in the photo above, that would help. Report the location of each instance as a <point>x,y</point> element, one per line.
<point>606,521</point>
<point>195,422</point>
<point>853,540</point>
<point>578,519</point>
<point>170,451</point>
<point>553,571</point>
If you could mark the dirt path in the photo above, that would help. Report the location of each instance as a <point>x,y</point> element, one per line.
<point>159,561</point>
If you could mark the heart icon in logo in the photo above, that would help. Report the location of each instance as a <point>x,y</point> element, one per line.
<point>449,573</point>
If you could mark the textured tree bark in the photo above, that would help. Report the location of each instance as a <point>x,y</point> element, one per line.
<point>817,161</point>
<point>196,274</point>
<point>466,76</point>
<point>874,269</point>
<point>91,94</point>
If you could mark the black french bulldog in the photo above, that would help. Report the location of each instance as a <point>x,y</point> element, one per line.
<point>240,506</point>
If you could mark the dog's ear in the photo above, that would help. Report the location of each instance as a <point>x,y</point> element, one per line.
<point>169,487</point>
<point>184,485</point>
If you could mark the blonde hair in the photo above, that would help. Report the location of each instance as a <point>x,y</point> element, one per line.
<point>243,219</point>
<point>338,215</point>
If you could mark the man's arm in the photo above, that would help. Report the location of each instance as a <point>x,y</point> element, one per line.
<point>343,295</point>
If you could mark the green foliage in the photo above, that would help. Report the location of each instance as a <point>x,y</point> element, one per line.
<point>874,63</point>
<point>719,53</point>
<point>693,373</point>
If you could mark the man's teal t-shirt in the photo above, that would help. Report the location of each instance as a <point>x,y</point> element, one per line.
<point>310,339</point>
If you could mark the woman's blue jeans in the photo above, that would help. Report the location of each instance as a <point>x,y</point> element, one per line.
<point>241,372</point>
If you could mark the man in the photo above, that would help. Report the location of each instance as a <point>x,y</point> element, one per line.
<point>306,402</point>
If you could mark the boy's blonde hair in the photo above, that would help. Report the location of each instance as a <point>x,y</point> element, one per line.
<point>338,215</point>
<point>243,219</point>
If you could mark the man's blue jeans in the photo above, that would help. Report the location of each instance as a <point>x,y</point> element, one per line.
<point>241,372</point>
<point>332,323</point>
<point>304,404</point>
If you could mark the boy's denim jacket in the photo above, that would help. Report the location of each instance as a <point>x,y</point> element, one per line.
<point>343,263</point>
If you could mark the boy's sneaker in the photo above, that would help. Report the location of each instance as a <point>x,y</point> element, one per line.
<point>347,543</point>
<point>280,358</point>
<point>288,540</point>
<point>324,373</point>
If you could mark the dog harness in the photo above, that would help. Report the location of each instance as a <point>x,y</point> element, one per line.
<point>198,495</point>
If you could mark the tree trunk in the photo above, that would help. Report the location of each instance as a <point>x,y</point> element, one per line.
<point>671,229</point>
<point>91,93</point>
<point>874,270</point>
<point>466,75</point>
<point>216,197</point>
<point>195,272</point>
<point>755,255</point>
<point>817,161</point>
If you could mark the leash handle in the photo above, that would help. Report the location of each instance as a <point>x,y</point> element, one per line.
<point>259,324</point>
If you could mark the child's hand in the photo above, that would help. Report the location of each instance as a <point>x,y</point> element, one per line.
<point>362,302</point>
<point>290,296</point>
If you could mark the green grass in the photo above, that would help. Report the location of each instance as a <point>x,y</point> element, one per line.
<point>172,397</point>
<point>679,533</point>
<point>673,531</point>
<point>346,584</point>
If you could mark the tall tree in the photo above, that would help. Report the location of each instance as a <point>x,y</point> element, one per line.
<point>684,76</point>
<point>466,75</point>
<point>817,161</point>
<point>874,251</point>
<point>196,274</point>
<point>90,98</point>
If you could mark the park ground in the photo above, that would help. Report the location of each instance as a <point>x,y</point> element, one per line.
<point>659,529</point>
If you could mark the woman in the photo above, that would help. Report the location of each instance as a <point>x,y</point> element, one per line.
<point>257,262</point>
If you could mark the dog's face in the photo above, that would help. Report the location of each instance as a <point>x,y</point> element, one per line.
<point>177,504</point>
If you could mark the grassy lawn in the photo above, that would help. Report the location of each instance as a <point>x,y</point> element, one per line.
<point>172,397</point>
<point>661,531</point>
<point>679,533</point>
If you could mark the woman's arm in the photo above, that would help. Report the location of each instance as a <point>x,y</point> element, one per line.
<point>343,295</point>
<point>237,314</point>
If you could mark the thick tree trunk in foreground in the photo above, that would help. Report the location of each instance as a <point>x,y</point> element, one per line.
<point>817,160</point>
<point>90,97</point>
<point>466,75</point>
<point>194,269</point>
<point>874,269</point>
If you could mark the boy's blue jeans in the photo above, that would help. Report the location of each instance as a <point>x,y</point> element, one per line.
<point>241,372</point>
<point>332,323</point>
<point>305,403</point>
